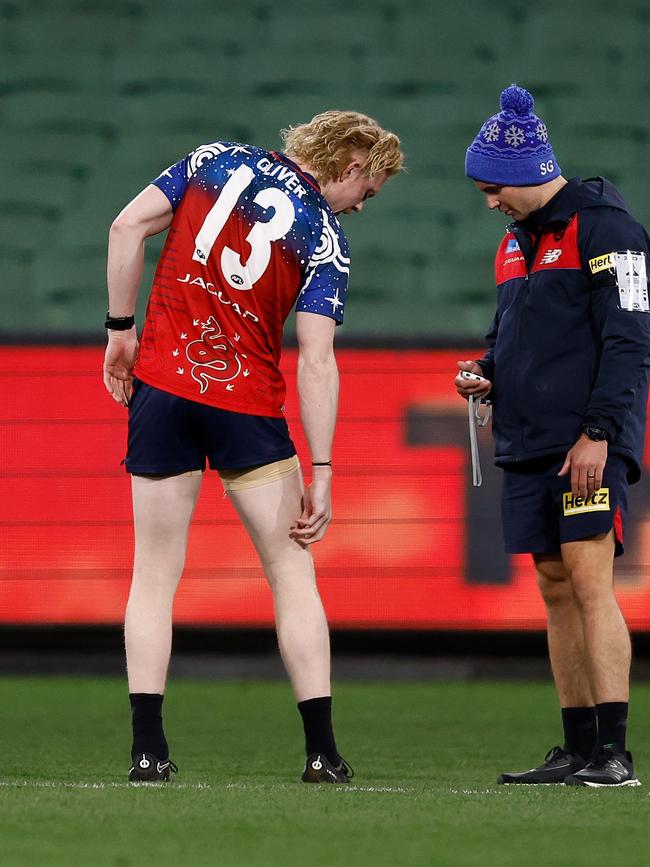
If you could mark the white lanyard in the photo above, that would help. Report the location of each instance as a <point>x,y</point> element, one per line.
<point>476,420</point>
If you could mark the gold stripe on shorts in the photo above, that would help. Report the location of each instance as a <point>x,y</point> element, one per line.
<point>238,480</point>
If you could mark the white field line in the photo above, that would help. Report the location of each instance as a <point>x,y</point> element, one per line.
<point>59,784</point>
<point>381,790</point>
<point>395,790</point>
<point>339,788</point>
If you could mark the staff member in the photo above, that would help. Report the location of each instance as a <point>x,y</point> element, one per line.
<point>567,374</point>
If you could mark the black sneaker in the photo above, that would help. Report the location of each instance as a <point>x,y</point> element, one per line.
<point>318,769</point>
<point>606,768</point>
<point>147,768</point>
<point>557,765</point>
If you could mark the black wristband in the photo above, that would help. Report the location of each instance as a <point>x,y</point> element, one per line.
<point>596,434</point>
<point>119,323</point>
<point>321,463</point>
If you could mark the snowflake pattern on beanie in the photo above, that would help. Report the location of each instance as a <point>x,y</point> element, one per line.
<point>512,147</point>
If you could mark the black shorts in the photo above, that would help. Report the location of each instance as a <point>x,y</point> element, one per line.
<point>539,512</point>
<point>170,434</point>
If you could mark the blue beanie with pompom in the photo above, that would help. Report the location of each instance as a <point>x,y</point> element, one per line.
<point>512,147</point>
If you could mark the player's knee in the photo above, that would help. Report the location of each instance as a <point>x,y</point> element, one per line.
<point>289,568</point>
<point>553,584</point>
<point>591,589</point>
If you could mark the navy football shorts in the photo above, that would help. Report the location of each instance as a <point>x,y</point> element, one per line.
<point>540,513</point>
<point>170,434</point>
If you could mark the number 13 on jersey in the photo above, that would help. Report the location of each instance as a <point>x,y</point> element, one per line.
<point>237,274</point>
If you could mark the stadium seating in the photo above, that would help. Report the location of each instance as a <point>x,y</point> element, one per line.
<point>119,89</point>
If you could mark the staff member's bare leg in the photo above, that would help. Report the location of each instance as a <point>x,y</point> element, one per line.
<point>572,676</point>
<point>565,636</point>
<point>589,565</point>
<point>589,647</point>
<point>268,511</point>
<point>607,640</point>
<point>162,510</point>
<point>608,652</point>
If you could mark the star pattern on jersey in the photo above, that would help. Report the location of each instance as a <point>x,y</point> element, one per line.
<point>335,301</point>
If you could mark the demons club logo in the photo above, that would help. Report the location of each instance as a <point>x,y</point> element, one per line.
<point>213,356</point>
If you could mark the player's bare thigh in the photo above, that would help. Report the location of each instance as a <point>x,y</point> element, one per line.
<point>162,508</point>
<point>268,500</point>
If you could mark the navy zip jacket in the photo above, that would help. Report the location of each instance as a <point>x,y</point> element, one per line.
<point>570,341</point>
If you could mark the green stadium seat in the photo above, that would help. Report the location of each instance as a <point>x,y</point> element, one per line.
<point>411,196</point>
<point>470,280</point>
<point>68,281</point>
<point>203,118</point>
<point>419,238</point>
<point>42,83</point>
<point>30,226</point>
<point>570,48</point>
<point>276,112</point>
<point>102,27</point>
<point>361,30</point>
<point>139,157</point>
<point>212,29</point>
<point>480,232</point>
<point>45,151</point>
<point>65,112</point>
<point>72,70</point>
<point>564,110</point>
<point>52,190</point>
<point>300,71</point>
<point>88,223</point>
<point>15,283</point>
<point>420,70</point>
<point>634,189</point>
<point>453,32</point>
<point>9,14</point>
<point>590,149</point>
<point>143,71</point>
<point>429,320</point>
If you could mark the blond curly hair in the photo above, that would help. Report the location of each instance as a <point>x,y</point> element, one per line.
<point>326,144</point>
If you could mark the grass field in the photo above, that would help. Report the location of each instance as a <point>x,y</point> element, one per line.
<point>426,758</point>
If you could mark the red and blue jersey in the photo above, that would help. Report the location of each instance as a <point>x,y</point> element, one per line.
<point>251,236</point>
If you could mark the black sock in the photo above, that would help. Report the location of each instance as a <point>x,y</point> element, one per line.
<point>612,725</point>
<point>146,718</point>
<point>316,716</point>
<point>580,730</point>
